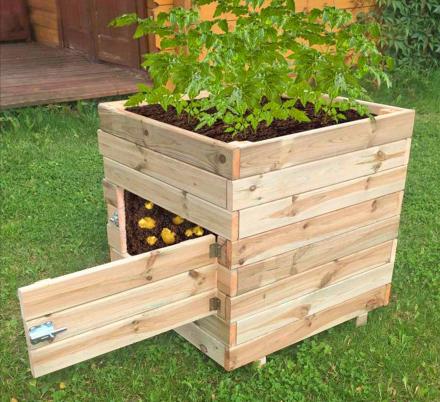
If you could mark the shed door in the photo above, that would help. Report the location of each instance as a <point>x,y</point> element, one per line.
<point>77,25</point>
<point>116,45</point>
<point>110,306</point>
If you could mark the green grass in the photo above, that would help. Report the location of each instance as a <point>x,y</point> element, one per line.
<point>53,222</point>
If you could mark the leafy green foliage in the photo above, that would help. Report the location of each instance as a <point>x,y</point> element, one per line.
<point>410,30</point>
<point>245,69</point>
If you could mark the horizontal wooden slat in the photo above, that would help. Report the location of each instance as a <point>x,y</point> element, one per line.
<point>95,314</point>
<point>307,326</point>
<point>195,149</point>
<point>272,186</point>
<point>206,214</point>
<point>224,331</point>
<point>116,335</point>
<point>317,202</point>
<point>52,295</point>
<point>309,281</point>
<point>277,241</point>
<point>227,280</point>
<point>280,153</point>
<point>196,181</point>
<point>299,260</point>
<point>204,341</point>
<point>284,314</point>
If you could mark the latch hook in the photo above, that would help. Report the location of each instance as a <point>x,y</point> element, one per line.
<point>44,332</point>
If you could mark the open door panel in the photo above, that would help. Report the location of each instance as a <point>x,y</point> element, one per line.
<point>81,315</point>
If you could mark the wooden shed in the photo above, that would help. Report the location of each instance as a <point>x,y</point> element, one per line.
<point>75,55</point>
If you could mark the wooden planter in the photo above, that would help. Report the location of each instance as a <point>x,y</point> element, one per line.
<point>306,231</point>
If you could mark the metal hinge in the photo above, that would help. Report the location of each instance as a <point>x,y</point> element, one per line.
<point>215,250</point>
<point>115,219</point>
<point>44,332</point>
<point>214,304</point>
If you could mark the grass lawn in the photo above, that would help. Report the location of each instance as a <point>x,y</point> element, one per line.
<point>53,222</point>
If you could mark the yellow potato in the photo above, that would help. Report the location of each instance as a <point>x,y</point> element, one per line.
<point>168,236</point>
<point>147,223</point>
<point>148,205</point>
<point>189,232</point>
<point>198,231</point>
<point>151,240</point>
<point>177,220</point>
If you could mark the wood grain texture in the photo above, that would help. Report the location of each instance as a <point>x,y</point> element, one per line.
<point>277,241</point>
<point>278,184</point>
<point>222,330</point>
<point>97,313</point>
<point>283,152</point>
<point>204,341</point>
<point>196,181</point>
<point>309,281</point>
<point>263,273</point>
<point>206,214</point>
<point>51,295</point>
<point>284,314</point>
<point>209,154</point>
<point>307,205</point>
<point>307,326</point>
<point>121,333</point>
<point>32,73</point>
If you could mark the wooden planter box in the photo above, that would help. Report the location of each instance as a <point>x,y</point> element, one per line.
<point>306,231</point>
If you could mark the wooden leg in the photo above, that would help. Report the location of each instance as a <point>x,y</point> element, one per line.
<point>361,320</point>
<point>261,362</point>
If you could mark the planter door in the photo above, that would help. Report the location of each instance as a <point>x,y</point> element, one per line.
<point>81,315</point>
<point>116,45</point>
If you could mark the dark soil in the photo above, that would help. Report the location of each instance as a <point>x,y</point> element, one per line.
<point>278,128</point>
<point>135,210</point>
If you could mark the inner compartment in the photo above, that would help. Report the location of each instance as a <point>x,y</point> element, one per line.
<point>138,209</point>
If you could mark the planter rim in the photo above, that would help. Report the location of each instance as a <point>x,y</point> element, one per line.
<point>382,111</point>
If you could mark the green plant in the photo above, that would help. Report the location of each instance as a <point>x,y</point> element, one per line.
<point>410,31</point>
<point>245,69</point>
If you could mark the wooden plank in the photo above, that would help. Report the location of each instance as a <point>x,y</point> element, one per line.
<point>283,152</point>
<point>307,326</point>
<point>277,241</point>
<point>115,240</point>
<point>47,5</point>
<point>278,184</point>
<point>203,341</point>
<point>109,190</point>
<point>299,260</point>
<point>116,255</point>
<point>209,154</point>
<point>196,181</point>
<point>227,280</point>
<point>208,215</point>
<point>43,18</point>
<point>51,295</point>
<point>226,332</point>
<point>284,314</point>
<point>95,314</point>
<point>47,36</point>
<point>309,281</point>
<point>307,205</point>
<point>116,335</point>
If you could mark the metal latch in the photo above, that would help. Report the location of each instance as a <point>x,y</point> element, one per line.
<point>44,332</point>
<point>215,250</point>
<point>214,304</point>
<point>115,218</point>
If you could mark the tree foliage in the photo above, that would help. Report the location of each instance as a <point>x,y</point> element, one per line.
<point>410,31</point>
<point>270,54</point>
